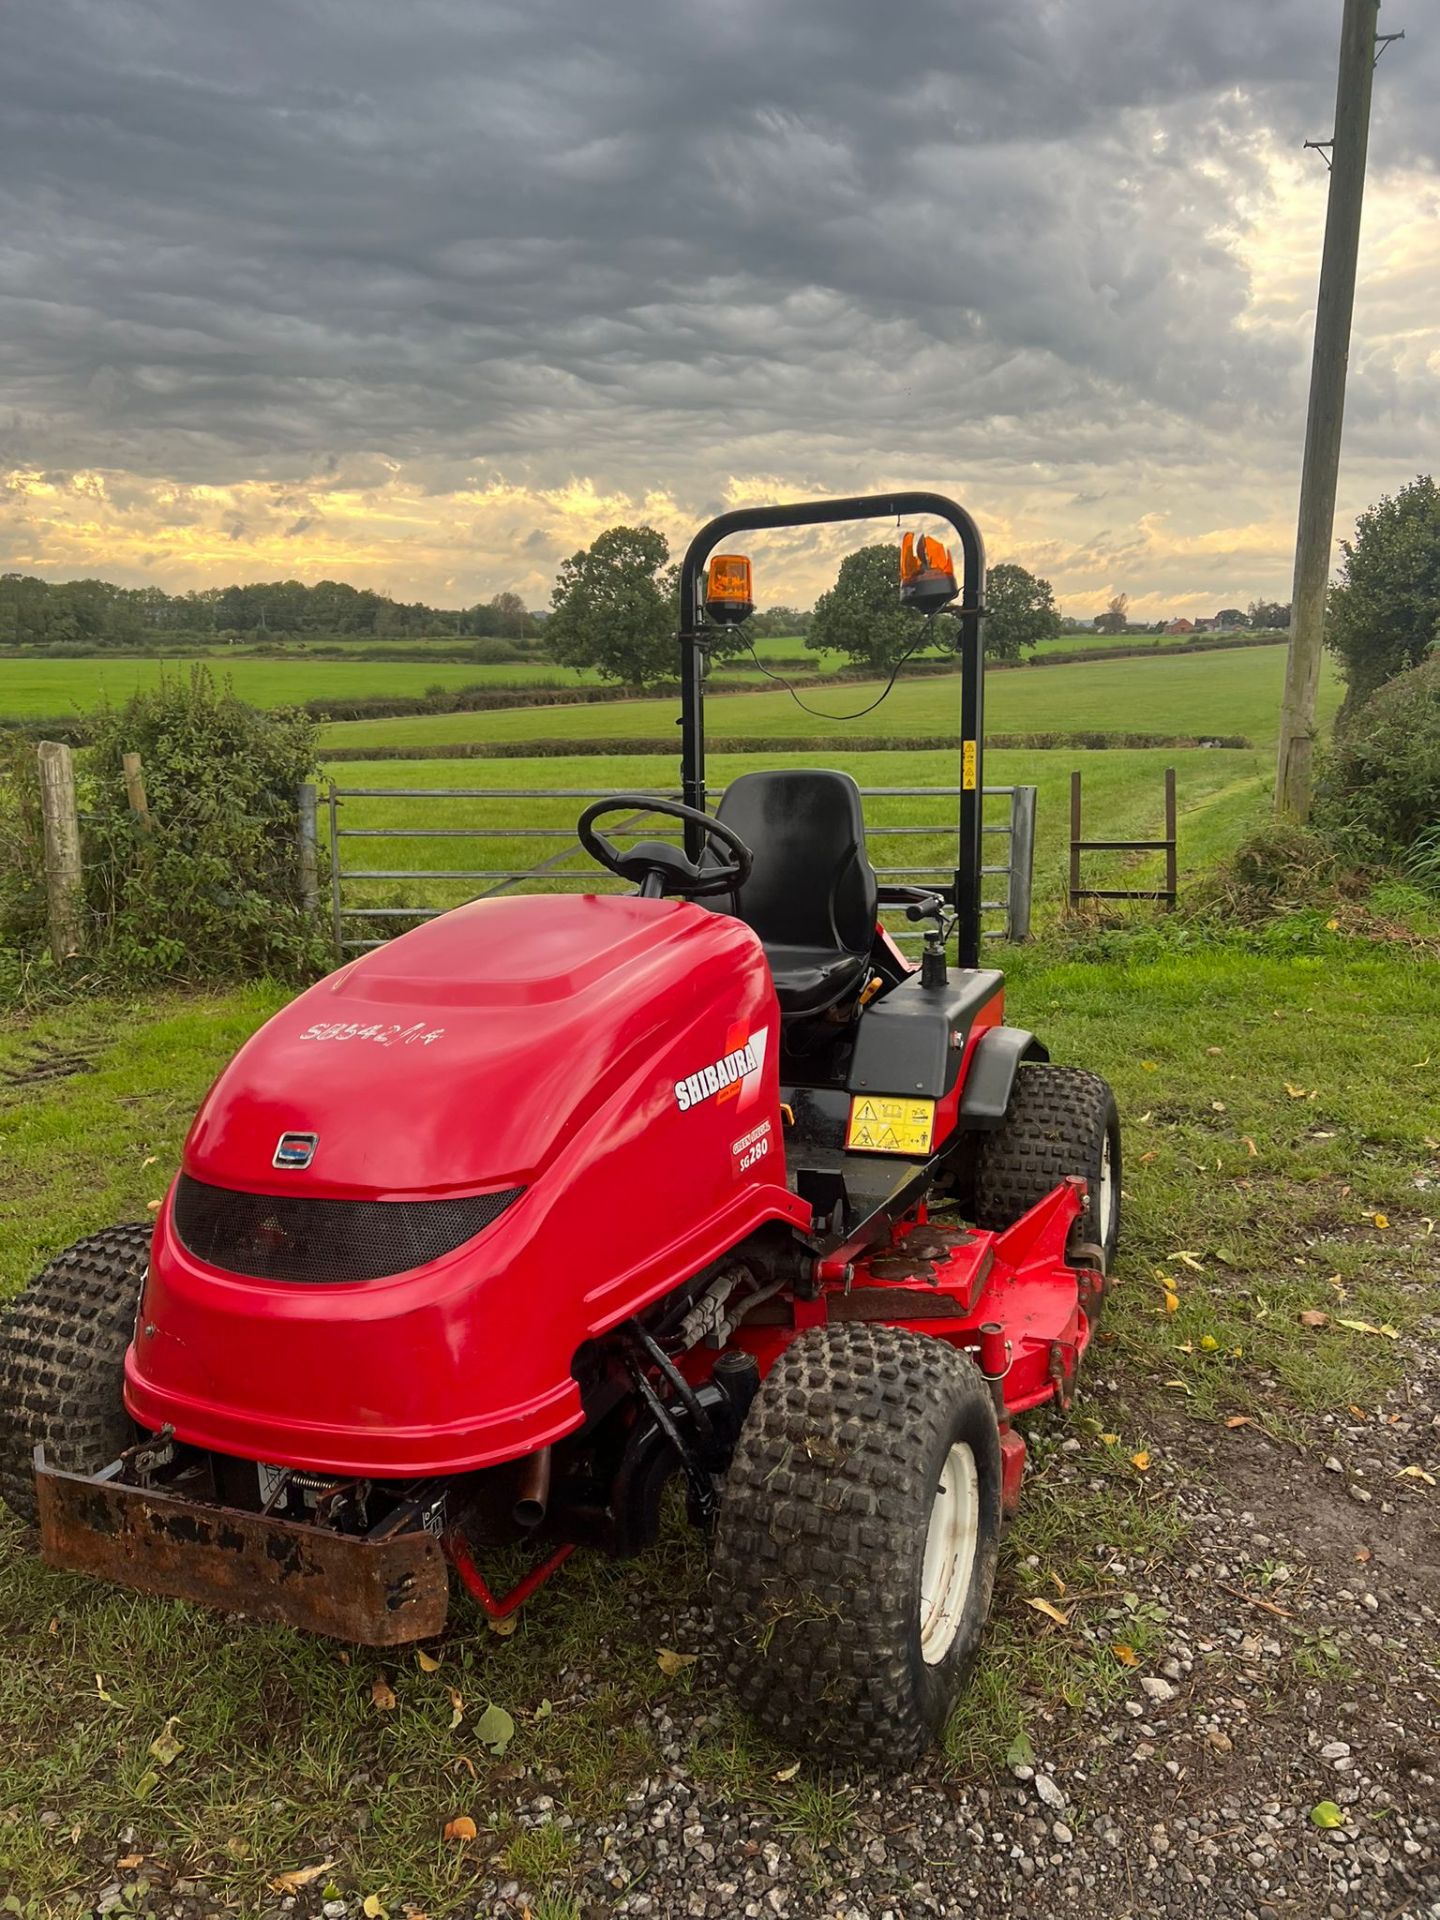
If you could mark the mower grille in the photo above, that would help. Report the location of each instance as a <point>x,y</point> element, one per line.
<point>325,1242</point>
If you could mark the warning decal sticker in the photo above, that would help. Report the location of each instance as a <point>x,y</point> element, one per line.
<point>881,1123</point>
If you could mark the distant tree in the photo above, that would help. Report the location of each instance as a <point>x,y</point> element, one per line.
<point>861,615</point>
<point>774,623</point>
<point>1229,618</point>
<point>1384,616</point>
<point>613,608</point>
<point>1114,619</point>
<point>1266,615</point>
<point>1021,611</point>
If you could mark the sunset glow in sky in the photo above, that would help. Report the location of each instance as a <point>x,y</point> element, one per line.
<point>423,298</point>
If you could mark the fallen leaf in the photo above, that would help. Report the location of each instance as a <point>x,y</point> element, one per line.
<point>1111,1439</point>
<point>100,1690</point>
<point>426,1662</point>
<point>153,1206</point>
<point>1060,1586</point>
<point>1144,1118</point>
<point>1050,1611</point>
<point>373,1907</point>
<point>1381,1221</point>
<point>1208,1343</point>
<point>457,1707</point>
<point>1416,1473</point>
<point>1217,1106</point>
<point>1140,1461</point>
<point>148,1161</point>
<point>1190,1260</point>
<point>165,1747</point>
<point>1327,1815</point>
<point>789,1773</point>
<point>1148,1066</point>
<point>461,1828</point>
<point>1178,1383</point>
<point>502,1629</point>
<point>1146,1158</point>
<point>672,1663</point>
<point>1362,1555</point>
<point>1364,1326</point>
<point>1214,1050</point>
<point>1172,1303</point>
<point>301,1877</point>
<point>383,1694</point>
<point>1127,1656</point>
<point>1296,1093</point>
<point>544,1710</point>
<point>1313,1317</point>
<point>1359,1412</point>
<point>1250,1146</point>
<point>1332,926</point>
<point>129,1860</point>
<point>495,1729</point>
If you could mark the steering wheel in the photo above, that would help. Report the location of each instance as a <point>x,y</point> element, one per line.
<point>654,865</point>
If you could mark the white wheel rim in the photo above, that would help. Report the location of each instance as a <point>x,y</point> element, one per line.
<point>950,1546</point>
<point>1107,1191</point>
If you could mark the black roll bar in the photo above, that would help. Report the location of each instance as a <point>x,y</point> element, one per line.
<point>806,513</point>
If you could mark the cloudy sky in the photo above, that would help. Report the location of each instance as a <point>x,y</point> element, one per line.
<point>424,295</point>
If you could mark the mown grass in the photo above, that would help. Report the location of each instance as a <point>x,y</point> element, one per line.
<point>1195,695</point>
<point>285,1759</point>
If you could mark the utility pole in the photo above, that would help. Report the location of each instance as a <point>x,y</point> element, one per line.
<point>1333,308</point>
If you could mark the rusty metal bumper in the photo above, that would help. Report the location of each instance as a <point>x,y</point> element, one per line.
<point>376,1593</point>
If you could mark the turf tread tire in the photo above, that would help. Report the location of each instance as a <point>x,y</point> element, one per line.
<point>62,1359</point>
<point>1055,1125</point>
<point>821,1537</point>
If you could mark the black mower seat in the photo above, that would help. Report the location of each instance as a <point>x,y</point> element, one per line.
<point>811,892</point>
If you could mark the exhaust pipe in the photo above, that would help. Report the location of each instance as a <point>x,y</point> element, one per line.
<point>532,1495</point>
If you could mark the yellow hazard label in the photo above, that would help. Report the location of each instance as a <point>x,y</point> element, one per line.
<point>967,765</point>
<point>881,1123</point>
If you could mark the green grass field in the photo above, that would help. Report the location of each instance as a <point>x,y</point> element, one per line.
<point>279,1757</point>
<point>55,689</point>
<point>1197,694</point>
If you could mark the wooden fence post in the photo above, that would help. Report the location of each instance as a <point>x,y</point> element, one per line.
<point>309,870</point>
<point>135,789</point>
<point>64,884</point>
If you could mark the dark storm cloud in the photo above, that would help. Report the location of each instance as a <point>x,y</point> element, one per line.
<point>655,240</point>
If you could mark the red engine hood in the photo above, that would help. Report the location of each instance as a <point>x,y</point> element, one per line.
<point>461,1055</point>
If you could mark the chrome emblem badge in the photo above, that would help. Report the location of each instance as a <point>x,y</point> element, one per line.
<point>295,1150</point>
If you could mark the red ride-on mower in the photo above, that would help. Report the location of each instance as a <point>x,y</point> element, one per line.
<point>500,1227</point>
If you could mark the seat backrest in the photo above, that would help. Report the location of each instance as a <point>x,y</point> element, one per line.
<point>812,884</point>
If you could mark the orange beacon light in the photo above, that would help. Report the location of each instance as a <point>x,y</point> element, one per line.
<point>927,573</point>
<point>728,596</point>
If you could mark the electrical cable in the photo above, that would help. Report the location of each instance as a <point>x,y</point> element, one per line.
<point>818,713</point>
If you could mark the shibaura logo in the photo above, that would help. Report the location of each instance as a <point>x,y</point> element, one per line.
<point>734,1076</point>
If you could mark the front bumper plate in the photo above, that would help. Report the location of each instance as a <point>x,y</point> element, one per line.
<point>380,1593</point>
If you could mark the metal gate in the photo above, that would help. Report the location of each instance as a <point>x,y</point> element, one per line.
<point>365,893</point>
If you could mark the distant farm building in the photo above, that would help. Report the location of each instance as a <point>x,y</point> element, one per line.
<point>1181,626</point>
